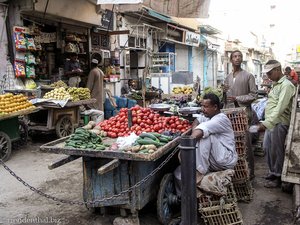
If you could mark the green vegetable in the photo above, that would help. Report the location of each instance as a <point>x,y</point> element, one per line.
<point>148,135</point>
<point>148,141</point>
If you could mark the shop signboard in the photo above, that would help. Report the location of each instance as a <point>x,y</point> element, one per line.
<point>192,38</point>
<point>107,20</point>
<point>298,48</point>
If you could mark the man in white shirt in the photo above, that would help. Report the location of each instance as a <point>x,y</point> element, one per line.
<point>215,148</point>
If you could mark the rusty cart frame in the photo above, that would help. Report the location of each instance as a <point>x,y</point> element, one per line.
<point>54,118</point>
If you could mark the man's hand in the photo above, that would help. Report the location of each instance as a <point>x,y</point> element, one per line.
<point>231,98</point>
<point>261,127</point>
<point>225,87</point>
<point>197,134</point>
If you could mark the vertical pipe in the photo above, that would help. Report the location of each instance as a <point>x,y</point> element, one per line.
<point>188,179</point>
<point>190,58</point>
<point>129,118</point>
<point>205,67</point>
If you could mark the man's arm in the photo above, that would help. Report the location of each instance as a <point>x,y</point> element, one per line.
<point>197,134</point>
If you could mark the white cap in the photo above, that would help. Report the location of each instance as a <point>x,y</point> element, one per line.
<point>269,67</point>
<point>95,61</point>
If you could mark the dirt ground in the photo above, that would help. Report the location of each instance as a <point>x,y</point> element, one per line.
<point>19,205</point>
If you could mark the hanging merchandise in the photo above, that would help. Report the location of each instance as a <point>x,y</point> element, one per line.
<point>24,58</point>
<point>20,41</point>
<point>20,69</point>
<point>30,42</point>
<point>29,58</point>
<point>20,56</point>
<point>30,71</point>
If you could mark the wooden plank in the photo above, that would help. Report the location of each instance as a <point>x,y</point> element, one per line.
<point>109,166</point>
<point>118,32</point>
<point>58,147</point>
<point>287,176</point>
<point>19,113</point>
<point>62,161</point>
<point>69,104</point>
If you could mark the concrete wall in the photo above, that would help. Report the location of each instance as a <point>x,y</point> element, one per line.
<point>197,63</point>
<point>3,41</point>
<point>182,60</point>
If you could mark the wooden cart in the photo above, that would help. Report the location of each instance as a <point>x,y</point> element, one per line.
<point>107,173</point>
<point>13,129</point>
<point>54,118</point>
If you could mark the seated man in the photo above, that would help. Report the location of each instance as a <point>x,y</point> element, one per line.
<point>215,149</point>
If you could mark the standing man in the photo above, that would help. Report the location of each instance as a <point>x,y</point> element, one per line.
<point>277,120</point>
<point>95,84</point>
<point>241,91</point>
<point>72,70</point>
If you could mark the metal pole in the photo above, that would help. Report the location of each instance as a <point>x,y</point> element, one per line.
<point>188,181</point>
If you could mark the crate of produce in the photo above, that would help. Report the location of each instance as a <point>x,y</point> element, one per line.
<point>227,214</point>
<point>244,191</point>
<point>239,120</point>
<point>240,146</point>
<point>242,173</point>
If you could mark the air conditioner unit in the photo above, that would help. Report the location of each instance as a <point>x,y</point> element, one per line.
<point>100,55</point>
<point>105,54</point>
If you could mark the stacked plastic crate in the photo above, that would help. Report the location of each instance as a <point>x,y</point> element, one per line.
<point>241,179</point>
<point>220,210</point>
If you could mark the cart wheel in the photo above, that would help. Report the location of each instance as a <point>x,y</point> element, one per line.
<point>23,129</point>
<point>64,127</point>
<point>5,146</point>
<point>167,200</point>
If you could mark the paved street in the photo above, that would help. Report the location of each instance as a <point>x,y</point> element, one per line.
<point>18,203</point>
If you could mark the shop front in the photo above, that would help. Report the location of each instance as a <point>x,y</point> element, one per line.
<point>45,37</point>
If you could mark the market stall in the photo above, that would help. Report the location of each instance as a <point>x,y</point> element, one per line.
<point>109,169</point>
<point>12,127</point>
<point>107,173</point>
<point>58,119</point>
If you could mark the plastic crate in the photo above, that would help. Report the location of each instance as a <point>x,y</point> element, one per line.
<point>242,173</point>
<point>209,200</point>
<point>131,103</point>
<point>239,120</point>
<point>240,146</point>
<point>121,102</point>
<point>227,214</point>
<point>244,191</point>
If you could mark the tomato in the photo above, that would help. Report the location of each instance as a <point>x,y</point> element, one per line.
<point>139,121</point>
<point>179,126</point>
<point>148,121</point>
<point>134,119</point>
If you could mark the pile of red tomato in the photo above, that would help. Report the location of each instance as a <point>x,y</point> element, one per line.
<point>143,120</point>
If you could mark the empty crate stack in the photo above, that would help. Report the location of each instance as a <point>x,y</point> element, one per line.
<point>216,210</point>
<point>241,179</point>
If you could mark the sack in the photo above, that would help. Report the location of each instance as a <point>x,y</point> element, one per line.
<point>216,182</point>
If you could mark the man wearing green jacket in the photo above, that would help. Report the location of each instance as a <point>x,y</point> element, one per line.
<point>277,120</point>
